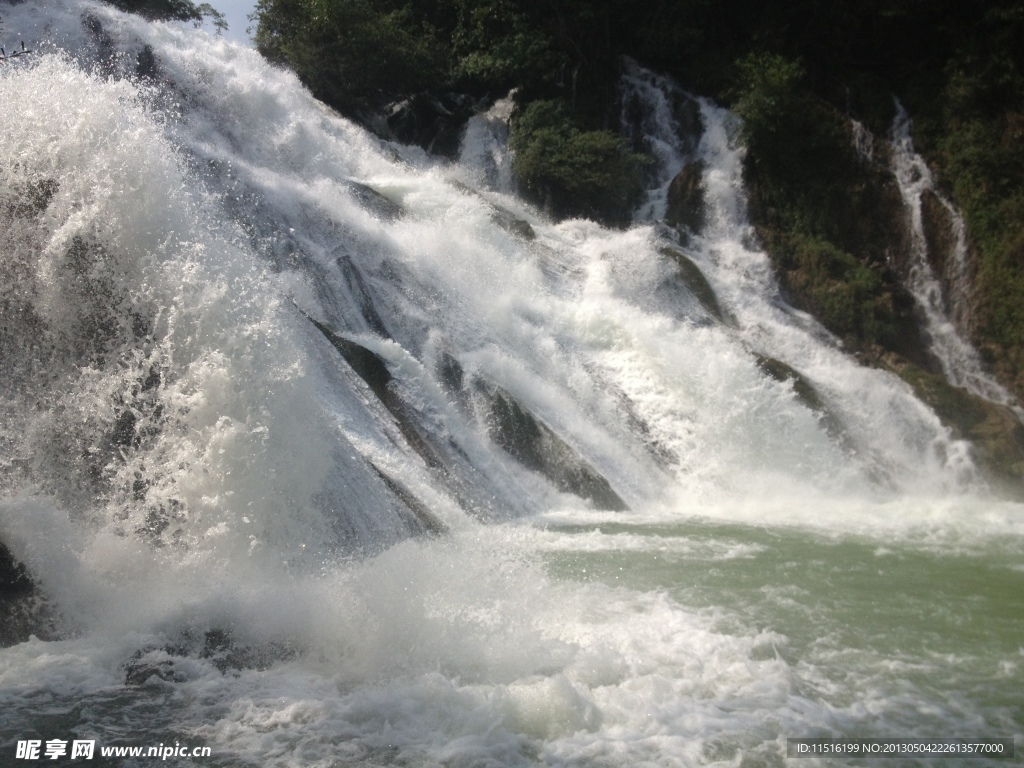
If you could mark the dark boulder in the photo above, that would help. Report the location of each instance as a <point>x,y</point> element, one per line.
<point>503,217</point>
<point>14,579</point>
<point>805,393</point>
<point>382,206</point>
<point>24,610</point>
<point>433,122</point>
<point>145,63</point>
<point>451,373</point>
<point>168,663</point>
<point>360,292</point>
<point>690,275</point>
<point>536,446</point>
<point>686,205</point>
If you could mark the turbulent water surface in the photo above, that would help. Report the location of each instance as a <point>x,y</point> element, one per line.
<point>322,452</point>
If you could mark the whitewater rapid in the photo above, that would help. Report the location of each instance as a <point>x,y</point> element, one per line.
<point>459,485</point>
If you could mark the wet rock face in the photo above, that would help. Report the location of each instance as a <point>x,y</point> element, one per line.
<point>380,205</point>
<point>941,242</point>
<point>527,439</point>
<point>430,121</point>
<point>686,118</point>
<point>24,611</point>
<point>806,393</point>
<point>686,206</point>
<point>837,230</point>
<point>859,298</point>
<point>441,456</point>
<point>536,446</point>
<point>501,216</point>
<point>938,232</point>
<point>374,371</point>
<point>994,430</point>
<point>691,276</point>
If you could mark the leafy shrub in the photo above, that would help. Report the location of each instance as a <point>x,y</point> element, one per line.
<point>843,293</point>
<point>828,220</point>
<point>573,172</point>
<point>793,137</point>
<point>495,45</point>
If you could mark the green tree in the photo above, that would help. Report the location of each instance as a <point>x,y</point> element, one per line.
<point>495,46</point>
<point>352,54</point>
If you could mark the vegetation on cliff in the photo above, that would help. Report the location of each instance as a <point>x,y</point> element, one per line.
<point>831,218</point>
<point>355,54</point>
<point>815,204</point>
<point>571,171</point>
<point>977,138</point>
<point>173,10</point>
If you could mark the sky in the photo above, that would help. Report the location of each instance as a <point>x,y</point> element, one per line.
<point>235,11</point>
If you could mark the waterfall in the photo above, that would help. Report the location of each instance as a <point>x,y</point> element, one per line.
<point>945,312</point>
<point>863,141</point>
<point>877,413</point>
<point>484,149</point>
<point>246,317</point>
<point>289,258</point>
<point>318,450</point>
<point>660,119</point>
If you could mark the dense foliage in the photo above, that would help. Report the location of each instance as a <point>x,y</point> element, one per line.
<point>572,171</point>
<point>353,54</point>
<point>830,218</point>
<point>173,10</point>
<point>978,140</point>
<point>965,88</point>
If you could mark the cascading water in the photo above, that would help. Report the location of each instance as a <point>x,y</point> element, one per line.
<point>878,416</point>
<point>320,452</point>
<point>942,310</point>
<point>660,119</point>
<point>485,147</point>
